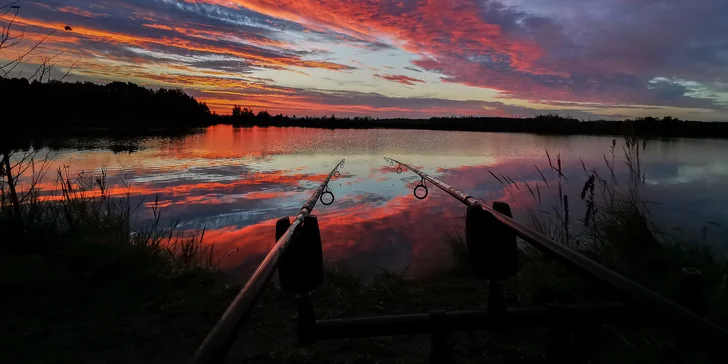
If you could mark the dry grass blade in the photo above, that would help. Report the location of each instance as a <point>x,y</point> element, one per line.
<point>558,169</point>
<point>609,166</point>
<point>506,179</point>
<point>543,178</point>
<point>513,182</point>
<point>549,158</point>
<point>83,211</point>
<point>588,185</point>
<point>494,176</point>
<point>530,190</point>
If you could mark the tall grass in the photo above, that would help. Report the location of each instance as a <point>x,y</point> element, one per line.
<point>458,253</point>
<point>615,230</point>
<point>88,276</point>
<point>79,211</point>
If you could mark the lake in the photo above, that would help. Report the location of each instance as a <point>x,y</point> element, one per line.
<point>235,183</point>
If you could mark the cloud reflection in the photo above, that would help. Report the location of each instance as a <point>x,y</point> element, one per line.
<point>235,183</point>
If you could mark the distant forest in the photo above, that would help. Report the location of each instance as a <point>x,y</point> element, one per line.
<point>54,105</point>
<point>667,127</point>
<point>47,108</point>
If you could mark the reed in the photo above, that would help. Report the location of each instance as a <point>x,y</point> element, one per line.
<point>79,210</point>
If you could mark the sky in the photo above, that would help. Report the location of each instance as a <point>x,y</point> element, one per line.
<point>591,59</point>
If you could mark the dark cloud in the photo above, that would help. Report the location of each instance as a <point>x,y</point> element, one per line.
<point>413,69</point>
<point>237,66</point>
<point>600,61</point>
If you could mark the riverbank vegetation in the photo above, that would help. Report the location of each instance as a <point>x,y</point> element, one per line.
<point>665,127</point>
<point>84,285</point>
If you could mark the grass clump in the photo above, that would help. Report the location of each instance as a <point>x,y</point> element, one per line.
<point>616,230</point>
<point>81,283</point>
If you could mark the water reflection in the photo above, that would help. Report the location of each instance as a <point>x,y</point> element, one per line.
<point>236,182</point>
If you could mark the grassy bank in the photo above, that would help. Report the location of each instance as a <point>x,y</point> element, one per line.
<point>81,285</point>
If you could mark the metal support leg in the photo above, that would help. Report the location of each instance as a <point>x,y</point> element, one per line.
<point>587,338</point>
<point>560,347</point>
<point>691,297</point>
<point>440,352</point>
<point>496,297</point>
<point>306,319</point>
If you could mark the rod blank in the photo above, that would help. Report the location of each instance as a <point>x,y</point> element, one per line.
<point>223,335</point>
<point>711,335</point>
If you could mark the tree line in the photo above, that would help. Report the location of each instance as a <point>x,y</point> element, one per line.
<point>667,126</point>
<point>38,106</point>
<point>33,108</point>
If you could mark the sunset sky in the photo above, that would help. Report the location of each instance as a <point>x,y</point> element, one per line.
<point>406,58</point>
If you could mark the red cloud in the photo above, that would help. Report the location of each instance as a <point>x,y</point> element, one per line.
<point>479,43</point>
<point>405,80</point>
<point>434,27</point>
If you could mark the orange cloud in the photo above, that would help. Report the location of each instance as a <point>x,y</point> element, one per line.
<point>431,27</point>
<point>158,26</point>
<point>215,35</point>
<point>276,62</point>
<point>203,81</point>
<point>184,193</point>
<point>405,80</point>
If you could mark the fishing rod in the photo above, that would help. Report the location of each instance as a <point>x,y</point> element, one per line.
<point>708,333</point>
<point>223,335</point>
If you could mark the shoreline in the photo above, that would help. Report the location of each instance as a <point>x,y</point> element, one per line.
<point>48,136</point>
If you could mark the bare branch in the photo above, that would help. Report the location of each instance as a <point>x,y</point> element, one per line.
<point>22,57</point>
<point>37,70</point>
<point>5,36</point>
<point>70,69</point>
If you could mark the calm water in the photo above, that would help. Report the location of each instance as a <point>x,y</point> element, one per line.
<point>236,182</point>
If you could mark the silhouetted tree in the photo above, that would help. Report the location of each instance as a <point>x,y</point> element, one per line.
<point>264,116</point>
<point>117,105</point>
<point>549,123</point>
<point>237,111</point>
